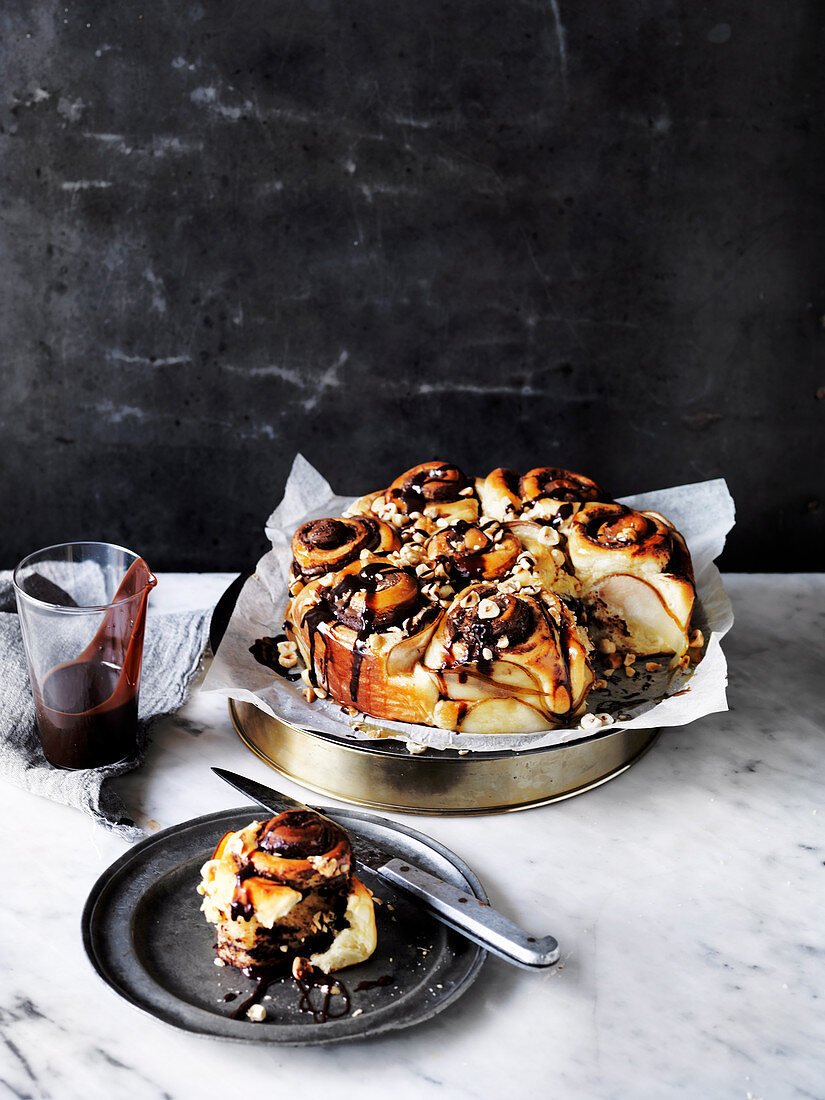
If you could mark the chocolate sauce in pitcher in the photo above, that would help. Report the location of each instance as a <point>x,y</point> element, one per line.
<point>87,708</point>
<point>84,720</point>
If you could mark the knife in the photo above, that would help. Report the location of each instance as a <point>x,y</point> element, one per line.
<point>459,910</point>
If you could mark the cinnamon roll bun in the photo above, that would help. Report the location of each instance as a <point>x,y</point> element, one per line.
<point>499,494</point>
<point>427,493</point>
<point>548,494</point>
<point>285,887</point>
<point>362,632</point>
<point>326,545</point>
<point>428,483</point>
<point>509,662</point>
<point>469,552</point>
<point>554,494</point>
<point>636,577</point>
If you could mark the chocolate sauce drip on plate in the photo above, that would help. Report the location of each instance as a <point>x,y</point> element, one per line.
<point>323,1012</point>
<point>264,981</point>
<point>320,1012</point>
<point>372,983</point>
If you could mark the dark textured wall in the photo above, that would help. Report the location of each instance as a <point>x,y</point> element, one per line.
<point>518,233</point>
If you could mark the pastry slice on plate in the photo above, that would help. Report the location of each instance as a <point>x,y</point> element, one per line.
<point>284,889</point>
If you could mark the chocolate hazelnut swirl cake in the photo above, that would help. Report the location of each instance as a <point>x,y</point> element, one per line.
<point>477,604</point>
<point>284,888</point>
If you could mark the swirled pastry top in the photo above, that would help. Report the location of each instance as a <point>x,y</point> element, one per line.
<point>392,627</point>
<point>505,657</point>
<point>605,538</point>
<point>271,862</point>
<point>285,886</point>
<point>325,545</point>
<point>547,492</point>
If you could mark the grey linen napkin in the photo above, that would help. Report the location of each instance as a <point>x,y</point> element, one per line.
<point>173,647</point>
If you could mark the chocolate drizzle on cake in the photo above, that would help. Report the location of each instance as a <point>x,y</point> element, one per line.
<point>375,983</point>
<point>553,483</point>
<point>323,1012</point>
<point>397,632</point>
<point>374,598</point>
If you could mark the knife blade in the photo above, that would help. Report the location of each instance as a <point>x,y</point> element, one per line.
<point>458,909</point>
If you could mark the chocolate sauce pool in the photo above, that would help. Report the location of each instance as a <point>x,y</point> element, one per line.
<point>87,715</point>
<point>265,652</point>
<point>375,983</point>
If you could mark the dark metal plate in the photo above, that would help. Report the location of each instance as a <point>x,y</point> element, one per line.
<point>146,937</point>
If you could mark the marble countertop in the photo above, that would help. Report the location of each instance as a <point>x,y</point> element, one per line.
<point>687,897</point>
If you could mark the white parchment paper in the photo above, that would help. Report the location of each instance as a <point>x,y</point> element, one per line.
<point>703,512</point>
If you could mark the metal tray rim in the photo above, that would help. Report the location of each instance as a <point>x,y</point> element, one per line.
<point>357,747</point>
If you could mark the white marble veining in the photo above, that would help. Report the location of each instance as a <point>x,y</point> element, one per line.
<point>687,896</point>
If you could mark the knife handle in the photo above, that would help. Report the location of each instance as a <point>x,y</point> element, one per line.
<point>474,919</point>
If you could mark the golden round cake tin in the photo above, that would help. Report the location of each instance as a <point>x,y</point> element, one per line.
<point>383,775</point>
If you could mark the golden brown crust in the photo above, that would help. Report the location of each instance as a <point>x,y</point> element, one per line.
<point>428,495</point>
<point>298,849</point>
<point>427,483</point>
<point>499,493</point>
<point>361,634</point>
<point>558,485</point>
<point>470,552</point>
<point>546,493</point>
<point>605,537</point>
